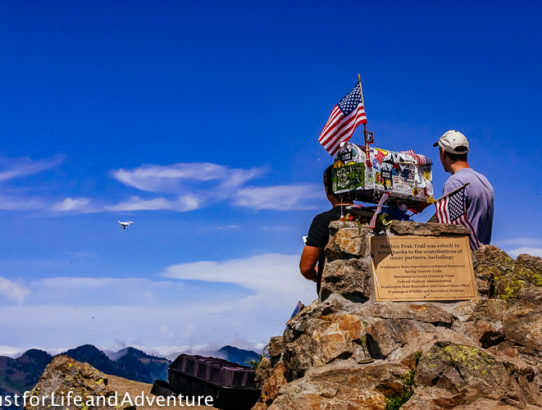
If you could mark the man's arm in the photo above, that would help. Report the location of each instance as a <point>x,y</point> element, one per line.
<point>309,259</point>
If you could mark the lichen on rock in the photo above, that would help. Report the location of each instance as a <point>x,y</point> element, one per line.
<point>346,351</point>
<point>65,380</point>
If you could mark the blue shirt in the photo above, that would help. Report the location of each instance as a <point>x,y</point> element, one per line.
<point>479,197</point>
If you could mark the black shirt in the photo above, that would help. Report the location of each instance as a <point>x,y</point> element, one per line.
<point>319,236</point>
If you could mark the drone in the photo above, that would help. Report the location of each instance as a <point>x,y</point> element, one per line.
<point>126,224</point>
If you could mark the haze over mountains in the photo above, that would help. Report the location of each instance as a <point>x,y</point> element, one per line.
<point>21,374</point>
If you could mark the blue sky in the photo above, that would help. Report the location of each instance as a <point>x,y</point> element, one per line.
<point>199,122</point>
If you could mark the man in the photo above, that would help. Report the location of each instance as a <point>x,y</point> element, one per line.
<point>318,237</point>
<point>453,148</point>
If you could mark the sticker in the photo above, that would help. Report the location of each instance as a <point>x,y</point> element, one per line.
<point>405,174</point>
<point>345,156</point>
<point>349,178</point>
<point>380,155</point>
<point>369,137</point>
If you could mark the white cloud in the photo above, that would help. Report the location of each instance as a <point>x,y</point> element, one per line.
<point>172,178</point>
<point>8,203</point>
<point>519,242</point>
<point>531,251</point>
<point>517,246</point>
<point>11,351</point>
<point>72,204</point>
<point>104,290</point>
<point>201,184</point>
<point>183,203</point>
<point>267,273</point>
<point>281,197</point>
<point>226,227</point>
<point>13,291</point>
<point>204,182</point>
<point>20,167</point>
<point>249,298</point>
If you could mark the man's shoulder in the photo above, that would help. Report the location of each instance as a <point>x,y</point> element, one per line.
<point>330,215</point>
<point>464,176</point>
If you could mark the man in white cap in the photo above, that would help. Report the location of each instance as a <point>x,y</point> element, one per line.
<point>453,148</point>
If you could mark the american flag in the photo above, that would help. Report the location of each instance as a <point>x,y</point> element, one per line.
<point>451,209</point>
<point>343,120</point>
<point>420,159</point>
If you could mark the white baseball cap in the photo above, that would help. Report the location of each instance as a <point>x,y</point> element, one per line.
<point>454,142</point>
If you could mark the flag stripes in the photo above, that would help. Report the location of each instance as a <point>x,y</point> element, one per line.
<point>343,120</point>
<point>451,209</point>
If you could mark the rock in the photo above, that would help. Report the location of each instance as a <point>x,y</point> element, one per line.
<point>531,294</point>
<point>426,229</point>
<point>506,278</point>
<point>345,385</point>
<point>449,375</point>
<point>523,326</point>
<point>422,312</point>
<point>347,351</point>
<point>322,339</point>
<point>275,346</point>
<point>347,243</point>
<point>270,389</point>
<point>386,336</point>
<point>348,278</point>
<point>64,375</point>
<point>533,264</point>
<point>263,371</point>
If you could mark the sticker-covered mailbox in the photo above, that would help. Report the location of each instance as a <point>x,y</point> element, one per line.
<point>405,176</point>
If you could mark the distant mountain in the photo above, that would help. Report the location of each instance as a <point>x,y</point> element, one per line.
<point>93,356</point>
<point>236,355</point>
<point>21,374</point>
<point>129,363</point>
<point>137,365</point>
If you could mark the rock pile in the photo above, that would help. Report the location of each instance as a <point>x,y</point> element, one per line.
<point>347,351</point>
<point>66,383</point>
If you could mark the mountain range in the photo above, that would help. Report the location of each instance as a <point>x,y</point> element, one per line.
<point>22,374</point>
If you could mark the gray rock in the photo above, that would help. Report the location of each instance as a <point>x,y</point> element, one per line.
<point>349,278</point>
<point>63,378</point>
<point>426,229</point>
<point>346,351</point>
<point>344,385</point>
<point>347,243</point>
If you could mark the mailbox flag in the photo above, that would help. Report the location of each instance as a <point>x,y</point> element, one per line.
<point>451,209</point>
<point>343,120</point>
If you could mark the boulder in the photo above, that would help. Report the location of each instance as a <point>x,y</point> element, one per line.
<point>344,385</point>
<point>66,379</point>
<point>348,278</point>
<point>347,351</point>
<point>449,375</point>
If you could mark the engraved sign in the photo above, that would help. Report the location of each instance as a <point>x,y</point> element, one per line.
<point>421,268</point>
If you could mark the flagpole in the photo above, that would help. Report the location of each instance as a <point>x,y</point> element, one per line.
<point>367,152</point>
<point>453,192</point>
<point>434,217</point>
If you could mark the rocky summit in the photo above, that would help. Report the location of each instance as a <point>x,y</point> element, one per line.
<point>347,351</point>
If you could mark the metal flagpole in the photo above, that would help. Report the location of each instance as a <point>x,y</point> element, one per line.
<point>367,152</point>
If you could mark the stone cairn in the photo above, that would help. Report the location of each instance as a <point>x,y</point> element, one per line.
<point>347,351</point>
